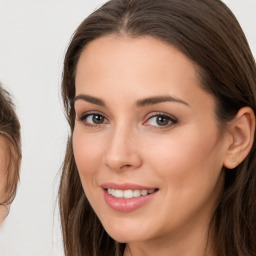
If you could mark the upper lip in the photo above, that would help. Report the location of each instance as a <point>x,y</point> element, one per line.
<point>125,186</point>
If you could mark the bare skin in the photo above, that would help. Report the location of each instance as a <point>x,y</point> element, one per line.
<point>4,161</point>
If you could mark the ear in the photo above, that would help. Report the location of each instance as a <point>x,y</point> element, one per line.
<point>242,130</point>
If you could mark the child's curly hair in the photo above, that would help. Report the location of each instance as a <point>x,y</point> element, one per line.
<point>10,148</point>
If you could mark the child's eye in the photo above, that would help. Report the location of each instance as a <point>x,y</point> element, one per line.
<point>93,119</point>
<point>160,120</point>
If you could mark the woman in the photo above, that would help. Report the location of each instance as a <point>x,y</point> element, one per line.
<point>160,98</point>
<point>10,152</point>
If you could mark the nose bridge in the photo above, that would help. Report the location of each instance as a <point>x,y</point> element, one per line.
<point>121,150</point>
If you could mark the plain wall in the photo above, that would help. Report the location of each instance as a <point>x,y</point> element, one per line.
<point>33,38</point>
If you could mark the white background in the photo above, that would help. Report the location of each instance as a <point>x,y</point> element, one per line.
<point>33,39</point>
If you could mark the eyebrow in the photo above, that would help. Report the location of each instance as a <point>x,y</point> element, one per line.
<point>139,103</point>
<point>159,99</point>
<point>90,99</point>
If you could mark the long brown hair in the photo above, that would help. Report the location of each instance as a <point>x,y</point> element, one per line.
<point>10,137</point>
<point>208,33</point>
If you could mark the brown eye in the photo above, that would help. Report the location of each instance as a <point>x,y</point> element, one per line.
<point>97,119</point>
<point>161,120</point>
<point>93,119</point>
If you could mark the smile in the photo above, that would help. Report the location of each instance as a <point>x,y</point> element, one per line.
<point>127,197</point>
<point>128,194</point>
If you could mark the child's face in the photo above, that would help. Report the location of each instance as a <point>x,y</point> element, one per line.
<point>146,132</point>
<point>4,165</point>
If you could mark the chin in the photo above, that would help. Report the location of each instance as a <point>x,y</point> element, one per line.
<point>125,235</point>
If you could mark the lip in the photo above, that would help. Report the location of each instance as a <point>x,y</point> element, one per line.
<point>126,205</point>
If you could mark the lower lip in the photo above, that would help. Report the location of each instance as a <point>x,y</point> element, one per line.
<point>126,205</point>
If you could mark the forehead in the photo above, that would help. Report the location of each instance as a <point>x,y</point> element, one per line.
<point>124,55</point>
<point>137,67</point>
<point>142,50</point>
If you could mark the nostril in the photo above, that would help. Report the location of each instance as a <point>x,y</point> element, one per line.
<point>126,166</point>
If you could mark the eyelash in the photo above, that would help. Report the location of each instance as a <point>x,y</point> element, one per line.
<point>85,116</point>
<point>171,120</point>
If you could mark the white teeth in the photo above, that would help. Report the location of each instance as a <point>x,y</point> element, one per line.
<point>136,193</point>
<point>144,192</point>
<point>118,193</point>
<point>127,194</point>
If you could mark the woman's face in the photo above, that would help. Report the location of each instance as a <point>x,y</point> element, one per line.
<point>146,140</point>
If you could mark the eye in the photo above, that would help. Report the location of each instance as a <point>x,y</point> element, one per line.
<point>93,119</point>
<point>161,120</point>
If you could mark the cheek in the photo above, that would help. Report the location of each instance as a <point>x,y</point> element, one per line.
<point>88,154</point>
<point>5,161</point>
<point>189,174</point>
<point>188,156</point>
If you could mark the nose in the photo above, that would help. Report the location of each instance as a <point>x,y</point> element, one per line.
<point>122,151</point>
